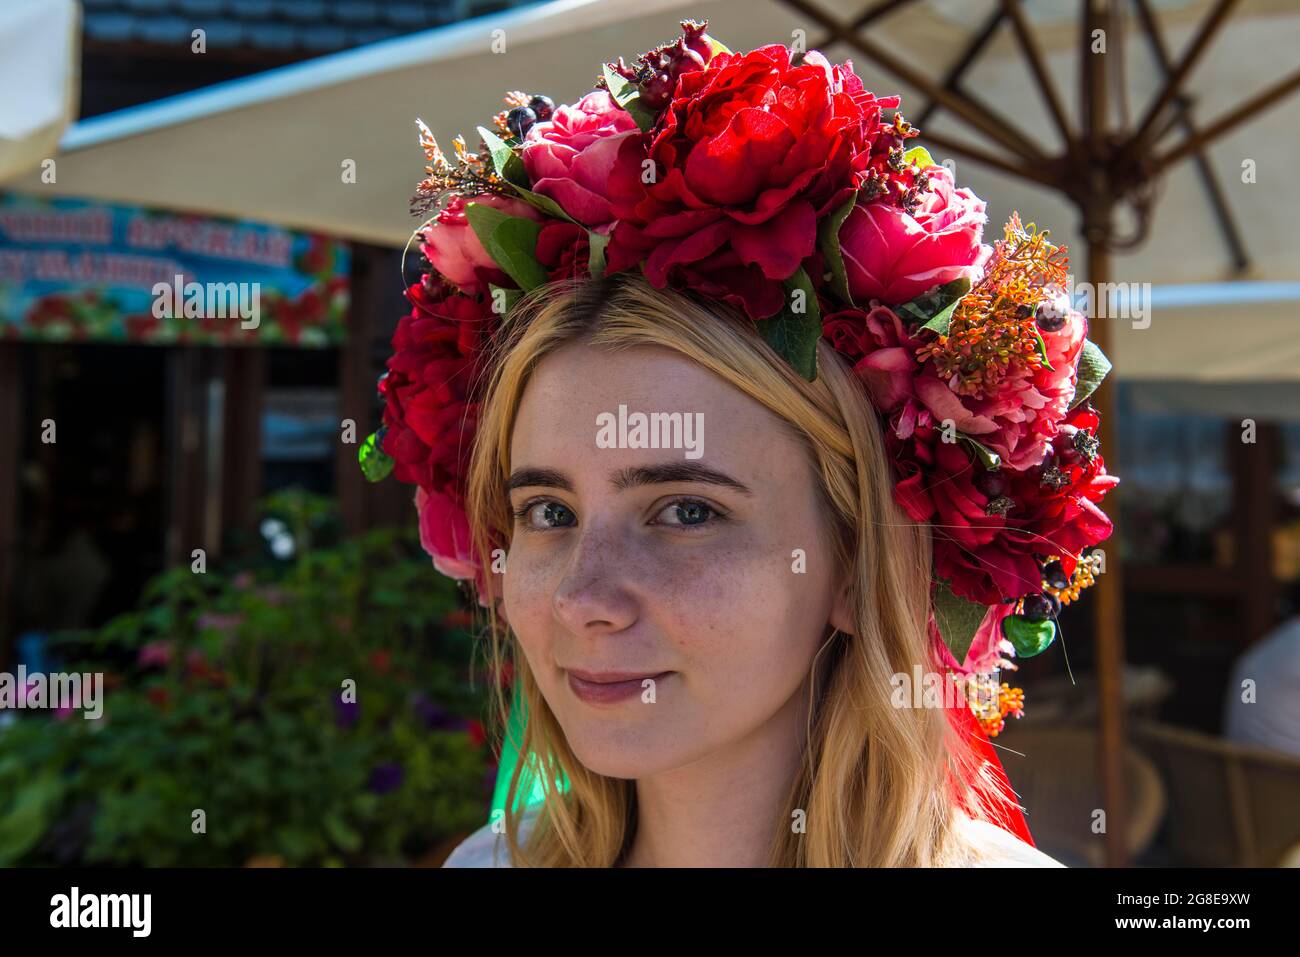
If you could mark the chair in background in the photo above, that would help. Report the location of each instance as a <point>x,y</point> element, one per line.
<point>1229,804</point>
<point>1059,787</point>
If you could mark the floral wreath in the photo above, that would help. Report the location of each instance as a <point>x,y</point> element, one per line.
<point>771,180</point>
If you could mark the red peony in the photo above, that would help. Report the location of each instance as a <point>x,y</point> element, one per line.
<point>563,249</point>
<point>430,406</point>
<point>989,554</point>
<point>748,154</point>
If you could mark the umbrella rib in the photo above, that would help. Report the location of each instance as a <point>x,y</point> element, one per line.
<point>968,108</point>
<point>978,155</point>
<point>1183,117</point>
<point>1174,84</point>
<point>865,17</point>
<point>1034,55</point>
<point>1227,121</point>
<point>958,69</point>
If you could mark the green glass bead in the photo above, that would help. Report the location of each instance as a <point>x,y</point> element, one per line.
<point>375,463</point>
<point>1029,638</point>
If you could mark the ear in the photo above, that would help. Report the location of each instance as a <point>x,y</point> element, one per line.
<point>841,617</point>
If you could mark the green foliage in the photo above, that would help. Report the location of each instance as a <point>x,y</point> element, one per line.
<point>224,695</point>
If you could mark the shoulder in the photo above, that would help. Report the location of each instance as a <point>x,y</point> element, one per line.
<point>486,848</point>
<point>1000,848</point>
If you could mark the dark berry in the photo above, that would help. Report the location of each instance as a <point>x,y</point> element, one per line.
<point>1037,608</point>
<point>543,106</point>
<point>1049,320</point>
<point>1055,576</point>
<point>520,120</point>
<point>991,483</point>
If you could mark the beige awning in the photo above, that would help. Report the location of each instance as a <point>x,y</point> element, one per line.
<point>273,147</point>
<point>40,68</point>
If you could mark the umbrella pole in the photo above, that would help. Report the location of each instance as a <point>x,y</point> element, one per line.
<point>1097,204</point>
<point>1108,606</point>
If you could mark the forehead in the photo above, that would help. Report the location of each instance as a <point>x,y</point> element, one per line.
<point>558,415</point>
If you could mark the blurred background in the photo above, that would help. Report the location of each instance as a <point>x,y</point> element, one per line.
<point>273,141</point>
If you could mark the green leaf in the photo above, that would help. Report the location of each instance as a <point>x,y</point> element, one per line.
<point>340,833</point>
<point>596,261</point>
<point>920,156</point>
<point>511,242</point>
<point>506,161</point>
<point>794,335</point>
<point>958,620</point>
<point>1093,366</point>
<point>828,241</point>
<point>987,457</point>
<point>935,307</point>
<point>544,203</point>
<point>626,95</point>
<point>1041,346</point>
<point>376,464</point>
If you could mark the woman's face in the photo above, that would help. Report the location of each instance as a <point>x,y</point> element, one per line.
<point>669,601</point>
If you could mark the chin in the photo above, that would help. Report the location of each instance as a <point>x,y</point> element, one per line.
<point>627,753</point>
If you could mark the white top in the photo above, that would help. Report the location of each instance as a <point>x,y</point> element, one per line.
<point>1001,848</point>
<point>1272,719</point>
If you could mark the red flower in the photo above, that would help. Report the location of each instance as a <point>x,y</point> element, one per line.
<point>989,555</point>
<point>477,734</point>
<point>430,406</point>
<point>563,249</point>
<point>749,154</point>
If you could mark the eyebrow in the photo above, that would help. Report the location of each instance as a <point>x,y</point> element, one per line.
<point>627,478</point>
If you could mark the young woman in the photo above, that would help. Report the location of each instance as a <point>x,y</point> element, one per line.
<point>754,452</point>
<point>765,592</point>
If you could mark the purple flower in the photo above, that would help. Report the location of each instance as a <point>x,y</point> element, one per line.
<point>346,713</point>
<point>386,778</point>
<point>434,716</point>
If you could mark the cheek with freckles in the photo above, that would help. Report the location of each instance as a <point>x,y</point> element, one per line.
<point>730,615</point>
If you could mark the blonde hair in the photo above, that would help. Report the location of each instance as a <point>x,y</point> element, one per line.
<point>880,785</point>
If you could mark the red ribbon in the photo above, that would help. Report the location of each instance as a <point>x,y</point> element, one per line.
<point>1001,809</point>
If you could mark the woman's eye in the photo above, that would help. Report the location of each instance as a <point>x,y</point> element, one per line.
<point>687,512</point>
<point>546,515</point>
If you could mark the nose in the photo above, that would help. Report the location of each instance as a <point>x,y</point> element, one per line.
<point>593,596</point>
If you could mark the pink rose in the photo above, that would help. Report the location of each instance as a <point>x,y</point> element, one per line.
<point>453,248</point>
<point>894,257</point>
<point>444,533</point>
<point>569,157</point>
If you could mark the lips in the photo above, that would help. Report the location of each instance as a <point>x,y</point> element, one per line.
<point>606,687</point>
